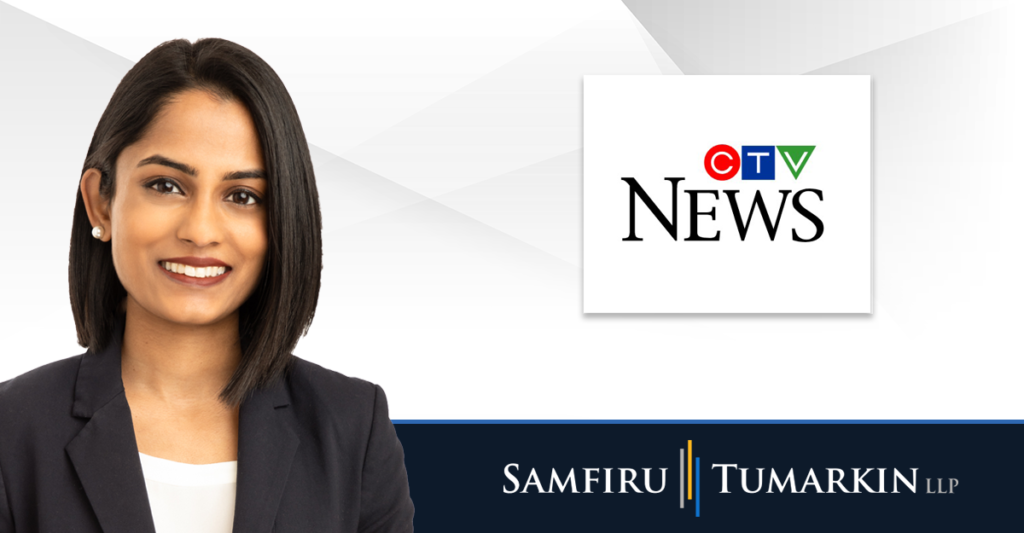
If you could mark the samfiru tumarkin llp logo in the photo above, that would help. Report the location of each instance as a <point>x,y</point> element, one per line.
<point>722,163</point>
<point>730,478</point>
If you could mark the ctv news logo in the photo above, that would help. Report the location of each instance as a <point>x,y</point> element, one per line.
<point>722,163</point>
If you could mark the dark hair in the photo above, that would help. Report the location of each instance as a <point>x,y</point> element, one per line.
<point>281,307</point>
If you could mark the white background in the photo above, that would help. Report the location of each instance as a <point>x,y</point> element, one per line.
<point>455,283</point>
<point>649,127</point>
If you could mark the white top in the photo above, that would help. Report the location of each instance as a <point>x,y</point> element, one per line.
<point>187,498</point>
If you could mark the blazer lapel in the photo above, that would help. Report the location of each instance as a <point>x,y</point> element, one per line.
<point>266,447</point>
<point>104,452</point>
<point>106,456</point>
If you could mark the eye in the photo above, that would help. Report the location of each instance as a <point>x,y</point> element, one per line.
<point>164,186</point>
<point>244,197</point>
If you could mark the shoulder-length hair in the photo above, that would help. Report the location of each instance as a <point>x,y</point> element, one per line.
<point>281,308</point>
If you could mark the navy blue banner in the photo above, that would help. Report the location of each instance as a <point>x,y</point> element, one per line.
<point>681,476</point>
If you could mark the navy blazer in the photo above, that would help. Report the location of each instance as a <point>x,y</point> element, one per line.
<point>316,452</point>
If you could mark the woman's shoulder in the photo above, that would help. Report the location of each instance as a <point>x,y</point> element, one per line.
<point>49,383</point>
<point>314,385</point>
<point>41,394</point>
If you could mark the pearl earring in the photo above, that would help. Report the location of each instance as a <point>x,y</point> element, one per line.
<point>97,232</point>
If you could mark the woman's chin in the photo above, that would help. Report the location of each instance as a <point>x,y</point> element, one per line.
<point>197,317</point>
<point>184,309</point>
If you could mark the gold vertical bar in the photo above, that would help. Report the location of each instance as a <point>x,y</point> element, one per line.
<point>689,470</point>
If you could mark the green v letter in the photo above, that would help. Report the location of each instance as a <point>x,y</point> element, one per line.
<point>795,157</point>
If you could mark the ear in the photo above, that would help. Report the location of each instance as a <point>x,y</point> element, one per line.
<point>96,206</point>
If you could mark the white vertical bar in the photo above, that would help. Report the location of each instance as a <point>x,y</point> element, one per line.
<point>682,478</point>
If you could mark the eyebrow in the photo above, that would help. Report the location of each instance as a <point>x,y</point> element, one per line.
<point>191,171</point>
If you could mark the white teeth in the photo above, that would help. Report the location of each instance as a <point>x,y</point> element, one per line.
<point>193,272</point>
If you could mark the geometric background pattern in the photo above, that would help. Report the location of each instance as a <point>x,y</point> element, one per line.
<point>447,143</point>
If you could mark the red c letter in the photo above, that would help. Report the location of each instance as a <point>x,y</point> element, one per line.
<point>722,162</point>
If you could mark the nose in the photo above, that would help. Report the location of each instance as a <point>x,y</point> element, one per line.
<point>202,223</point>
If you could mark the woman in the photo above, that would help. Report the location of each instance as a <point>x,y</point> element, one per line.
<point>195,267</point>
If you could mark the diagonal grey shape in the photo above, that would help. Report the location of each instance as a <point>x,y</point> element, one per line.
<point>658,54</point>
<point>352,197</point>
<point>350,194</point>
<point>54,88</point>
<point>790,36</point>
<point>932,113</point>
<point>432,227</point>
<point>525,111</point>
<point>541,204</point>
<point>843,66</point>
<point>472,83</point>
<point>55,83</point>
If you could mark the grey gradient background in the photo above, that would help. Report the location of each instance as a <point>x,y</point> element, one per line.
<point>447,145</point>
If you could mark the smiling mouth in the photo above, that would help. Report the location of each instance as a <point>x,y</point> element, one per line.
<point>194,271</point>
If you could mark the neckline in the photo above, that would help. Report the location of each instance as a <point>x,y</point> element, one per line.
<point>177,473</point>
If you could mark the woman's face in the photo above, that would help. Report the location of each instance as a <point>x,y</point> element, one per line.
<point>188,218</point>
